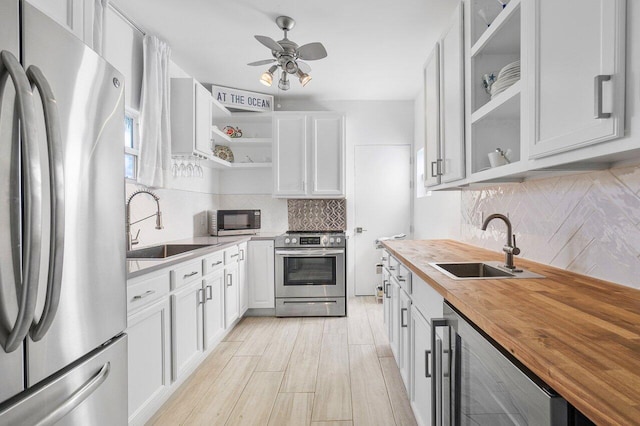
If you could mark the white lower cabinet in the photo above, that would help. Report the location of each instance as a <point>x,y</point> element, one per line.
<point>214,326</point>
<point>231,294</point>
<point>386,302</point>
<point>394,320</point>
<point>420,351</point>
<point>186,324</point>
<point>261,275</point>
<point>149,359</point>
<point>405,338</point>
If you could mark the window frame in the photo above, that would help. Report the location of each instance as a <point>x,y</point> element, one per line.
<point>134,115</point>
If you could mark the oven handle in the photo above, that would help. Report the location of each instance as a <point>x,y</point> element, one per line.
<point>306,252</point>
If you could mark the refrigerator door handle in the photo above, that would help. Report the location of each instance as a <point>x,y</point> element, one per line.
<point>56,179</point>
<point>32,202</point>
<point>77,397</point>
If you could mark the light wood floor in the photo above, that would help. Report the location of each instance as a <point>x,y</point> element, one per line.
<point>297,371</point>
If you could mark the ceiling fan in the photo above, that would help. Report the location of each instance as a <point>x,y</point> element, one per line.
<point>287,55</point>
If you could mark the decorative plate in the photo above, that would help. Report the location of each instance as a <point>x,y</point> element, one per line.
<point>223,153</point>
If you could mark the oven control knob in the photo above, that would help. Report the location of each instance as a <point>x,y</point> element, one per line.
<point>324,241</point>
<point>332,240</point>
<point>338,240</point>
<point>294,240</point>
<point>287,241</point>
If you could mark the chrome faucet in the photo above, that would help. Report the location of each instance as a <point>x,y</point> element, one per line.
<point>131,240</point>
<point>510,248</point>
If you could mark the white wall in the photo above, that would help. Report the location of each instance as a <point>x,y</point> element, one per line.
<point>367,123</point>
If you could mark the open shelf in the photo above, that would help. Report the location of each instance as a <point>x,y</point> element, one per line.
<point>250,142</point>
<point>219,163</point>
<point>219,135</point>
<point>503,35</point>
<point>250,165</point>
<point>504,106</point>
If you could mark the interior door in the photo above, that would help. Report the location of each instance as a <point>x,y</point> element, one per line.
<point>11,363</point>
<point>89,96</point>
<point>382,205</point>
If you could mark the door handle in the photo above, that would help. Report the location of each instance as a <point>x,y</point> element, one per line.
<point>77,397</point>
<point>360,230</point>
<point>32,204</point>
<point>598,81</point>
<point>209,292</point>
<point>56,187</point>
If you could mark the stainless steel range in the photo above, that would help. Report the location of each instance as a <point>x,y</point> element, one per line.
<point>311,274</point>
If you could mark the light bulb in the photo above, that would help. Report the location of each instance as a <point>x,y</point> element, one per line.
<point>267,77</point>
<point>303,77</point>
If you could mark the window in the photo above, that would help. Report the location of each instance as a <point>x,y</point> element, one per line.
<point>131,145</point>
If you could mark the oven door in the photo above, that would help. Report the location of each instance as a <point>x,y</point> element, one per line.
<point>310,272</point>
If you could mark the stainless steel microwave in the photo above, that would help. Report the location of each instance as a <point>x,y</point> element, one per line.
<point>234,222</point>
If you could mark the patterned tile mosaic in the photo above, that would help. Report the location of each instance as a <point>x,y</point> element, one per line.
<point>587,223</point>
<point>317,215</point>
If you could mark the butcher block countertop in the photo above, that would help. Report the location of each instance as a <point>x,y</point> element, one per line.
<point>579,334</point>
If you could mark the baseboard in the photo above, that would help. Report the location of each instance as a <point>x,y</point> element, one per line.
<point>261,312</point>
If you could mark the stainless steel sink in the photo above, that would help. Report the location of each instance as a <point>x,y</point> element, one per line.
<point>165,250</point>
<point>480,271</point>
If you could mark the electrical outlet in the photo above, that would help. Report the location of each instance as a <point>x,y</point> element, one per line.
<point>479,219</point>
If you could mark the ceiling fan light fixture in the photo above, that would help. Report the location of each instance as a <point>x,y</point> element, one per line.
<point>284,83</point>
<point>267,77</point>
<point>303,77</point>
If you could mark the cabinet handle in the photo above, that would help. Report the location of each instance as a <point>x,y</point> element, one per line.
<point>391,268</point>
<point>599,79</point>
<point>384,285</point>
<point>440,161</point>
<point>434,174</point>
<point>402,323</point>
<point>190,275</point>
<point>209,292</point>
<point>427,372</point>
<point>234,255</point>
<point>229,280</point>
<point>401,278</point>
<point>387,290</point>
<point>143,295</point>
<point>213,265</point>
<point>201,296</point>
<point>242,254</point>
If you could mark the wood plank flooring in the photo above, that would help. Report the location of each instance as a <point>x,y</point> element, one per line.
<point>297,371</point>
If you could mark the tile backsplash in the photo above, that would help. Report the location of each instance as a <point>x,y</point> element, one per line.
<point>587,223</point>
<point>317,215</point>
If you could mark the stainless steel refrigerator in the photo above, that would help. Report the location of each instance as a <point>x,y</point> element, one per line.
<point>63,354</point>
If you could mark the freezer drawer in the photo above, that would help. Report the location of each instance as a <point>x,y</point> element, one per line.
<point>91,392</point>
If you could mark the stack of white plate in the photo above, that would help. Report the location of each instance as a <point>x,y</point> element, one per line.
<point>507,77</point>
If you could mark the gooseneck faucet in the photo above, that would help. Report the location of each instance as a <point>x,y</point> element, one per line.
<point>510,248</point>
<point>131,240</point>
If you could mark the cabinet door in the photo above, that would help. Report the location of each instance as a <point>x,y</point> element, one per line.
<point>261,275</point>
<point>405,338</point>
<point>394,323</point>
<point>432,162</point>
<point>452,100</point>
<point>149,355</point>
<point>231,294</point>
<point>68,13</point>
<point>566,66</point>
<point>327,145</point>
<point>386,302</point>
<point>186,327</point>
<point>289,155</point>
<point>213,308</point>
<point>202,142</point>
<point>420,393</point>
<point>243,284</point>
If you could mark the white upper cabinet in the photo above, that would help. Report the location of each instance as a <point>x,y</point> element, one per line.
<point>578,61</point>
<point>68,13</point>
<point>452,99</point>
<point>290,155</point>
<point>444,106</point>
<point>309,155</point>
<point>190,118</point>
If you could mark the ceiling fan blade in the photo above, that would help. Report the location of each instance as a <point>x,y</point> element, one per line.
<point>263,62</point>
<point>304,67</point>
<point>312,51</point>
<point>270,43</point>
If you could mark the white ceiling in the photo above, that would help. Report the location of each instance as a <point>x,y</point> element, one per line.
<point>376,48</point>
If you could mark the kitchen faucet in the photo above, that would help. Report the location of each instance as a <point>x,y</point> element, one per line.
<point>131,240</point>
<point>510,248</point>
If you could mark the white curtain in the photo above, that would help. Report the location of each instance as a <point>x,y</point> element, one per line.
<point>155,127</point>
<point>99,11</point>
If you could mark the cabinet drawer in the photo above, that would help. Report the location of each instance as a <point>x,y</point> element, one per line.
<point>213,262</point>
<point>427,299</point>
<point>404,276</point>
<point>149,290</point>
<point>393,266</point>
<point>232,254</point>
<point>185,274</point>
